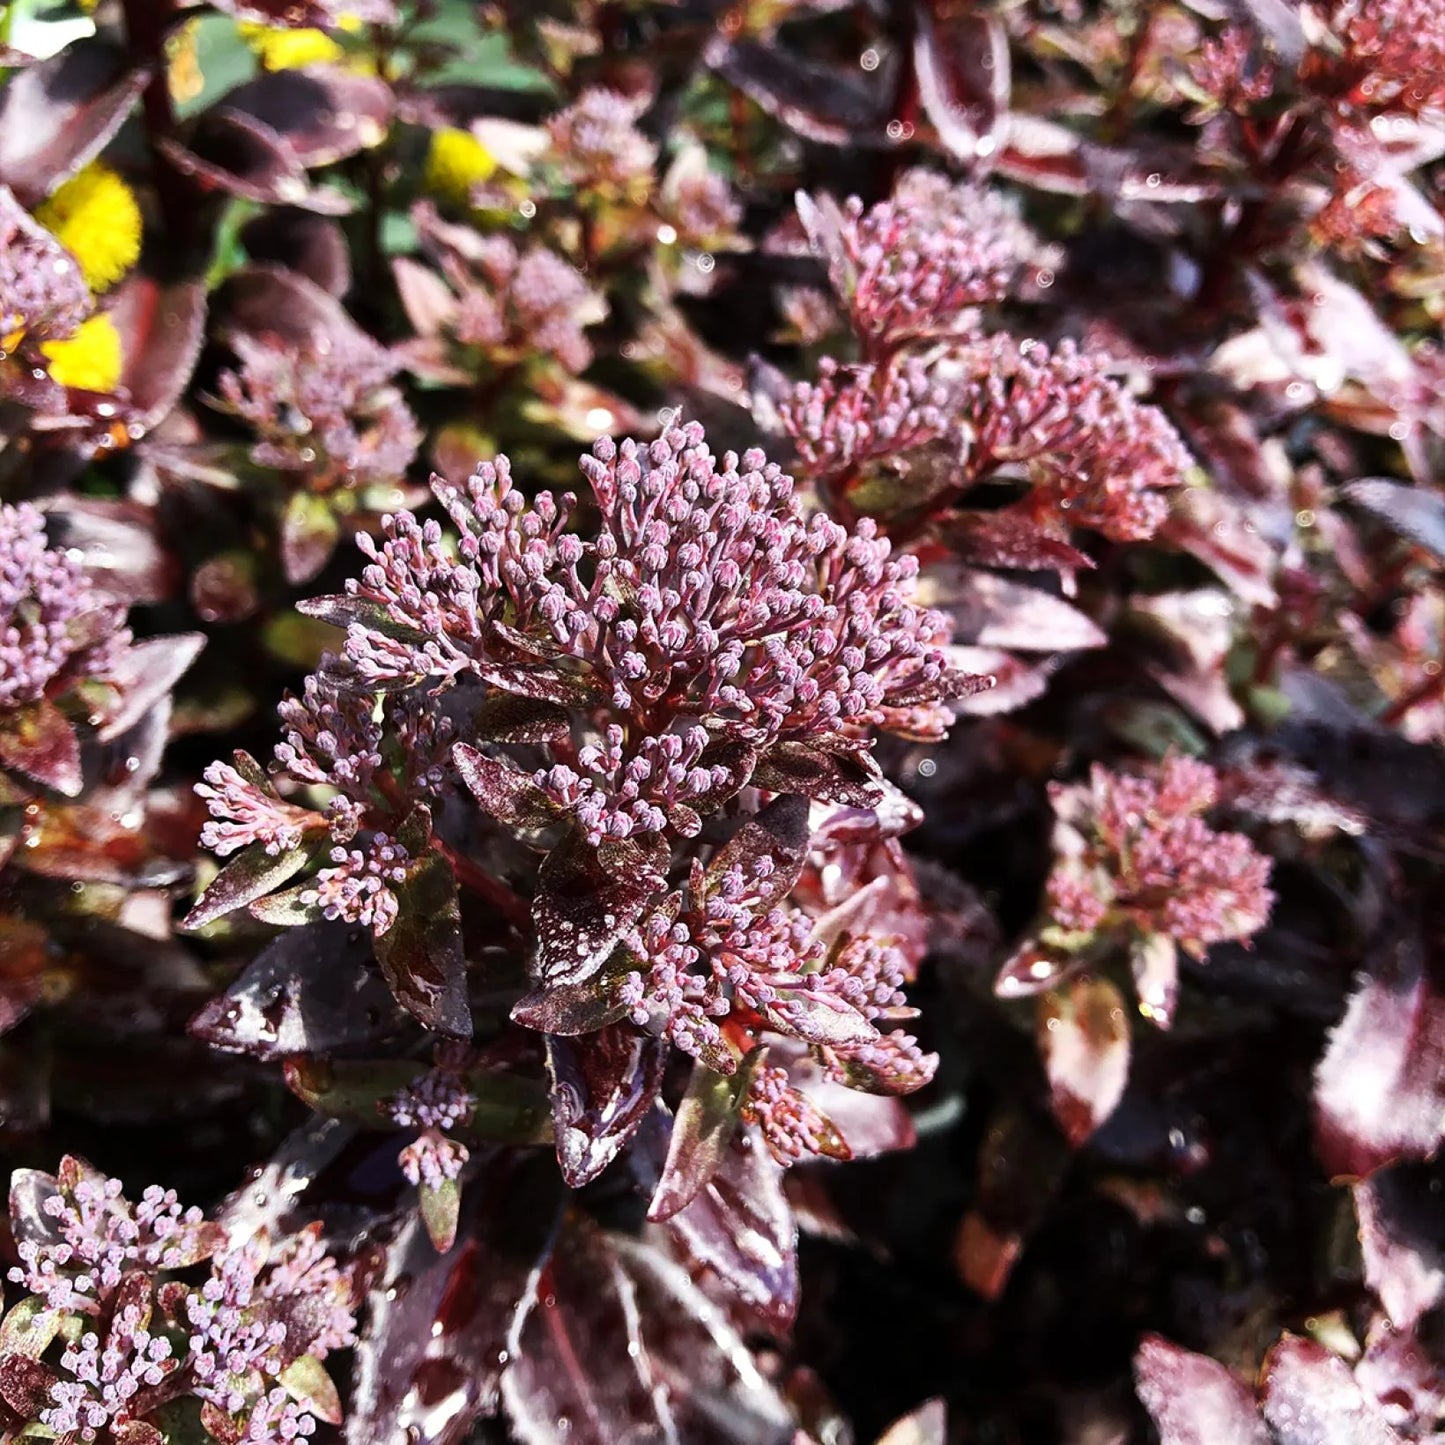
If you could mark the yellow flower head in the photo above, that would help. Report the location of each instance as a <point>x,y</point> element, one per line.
<point>95,216</point>
<point>280,49</point>
<point>90,360</point>
<point>456,162</point>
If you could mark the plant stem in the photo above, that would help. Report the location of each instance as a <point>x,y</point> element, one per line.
<point>146,24</point>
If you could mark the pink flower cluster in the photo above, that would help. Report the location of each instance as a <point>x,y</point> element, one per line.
<point>1145,857</point>
<point>913,267</point>
<point>598,145</point>
<point>42,293</point>
<point>435,1103</point>
<point>326,408</point>
<point>55,629</point>
<point>708,609</point>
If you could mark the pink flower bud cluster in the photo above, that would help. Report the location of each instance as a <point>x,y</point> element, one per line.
<point>1098,457</point>
<point>716,969</point>
<point>435,1103</point>
<point>597,143</point>
<point>707,610</point>
<point>55,629</point>
<point>789,1123</point>
<point>1229,74</point>
<point>107,1374</point>
<point>915,266</point>
<point>326,408</point>
<point>855,417</point>
<point>533,301</point>
<point>246,813</point>
<point>43,296</point>
<point>96,1235</point>
<point>701,206</point>
<point>359,885</point>
<point>1394,53</point>
<point>1146,858</point>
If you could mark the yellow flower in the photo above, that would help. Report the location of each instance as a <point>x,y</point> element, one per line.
<point>456,162</point>
<point>94,215</point>
<point>280,49</point>
<point>90,360</point>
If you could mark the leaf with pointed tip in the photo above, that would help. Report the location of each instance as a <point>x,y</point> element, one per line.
<point>440,1206</point>
<point>1413,512</point>
<point>299,241</point>
<point>25,1384</point>
<point>251,874</point>
<point>37,740</point>
<point>777,837</point>
<point>59,113</point>
<point>28,1328</point>
<point>572,1008</point>
<point>741,1227</point>
<point>309,533</point>
<point>586,899</point>
<point>342,611</point>
<point>707,1118</point>
<point>848,778</point>
<point>324,114</point>
<point>313,990</point>
<point>1377,1087</point>
<point>1402,1239</point>
<point>421,953</point>
<point>927,1425</point>
<point>145,673</point>
<point>602,1087</point>
<point>1192,1399</point>
<point>961,60</point>
<point>817,1017</point>
<point>505,792</point>
<point>993,611</point>
<point>618,1342</point>
<point>1083,1036</point>
<point>505,718</point>
<point>1311,1398</point>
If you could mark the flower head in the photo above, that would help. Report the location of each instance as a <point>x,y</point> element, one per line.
<point>42,291</point>
<point>96,217</point>
<point>91,359</point>
<point>456,162</point>
<point>55,629</point>
<point>598,144</point>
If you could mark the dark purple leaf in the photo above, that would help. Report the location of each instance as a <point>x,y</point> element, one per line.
<point>571,1008</point>
<point>118,546</point>
<point>961,59</point>
<point>1378,1087</point>
<point>162,328</point>
<point>234,154</point>
<point>777,836</point>
<point>1413,512</point>
<point>421,953</point>
<point>25,1384</point>
<point>586,899</point>
<point>1194,1400</point>
<point>741,1227</point>
<point>60,113</point>
<point>433,1346</point>
<point>614,1343</point>
<point>927,1425</point>
<point>1083,1036</point>
<point>323,114</point>
<point>251,874</point>
<point>504,791</point>
<point>1311,1398</point>
<point>848,778</point>
<point>603,1085</point>
<point>36,740</point>
<point>993,611</point>
<point>1010,539</point>
<point>1402,1239</point>
<point>145,674</point>
<point>301,242</point>
<point>503,718</point>
<point>821,102</point>
<point>311,991</point>
<point>707,1119</point>
<point>342,611</point>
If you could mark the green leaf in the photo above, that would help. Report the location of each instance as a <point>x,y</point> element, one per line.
<point>440,1208</point>
<point>29,1328</point>
<point>251,874</point>
<point>306,1381</point>
<point>707,1119</point>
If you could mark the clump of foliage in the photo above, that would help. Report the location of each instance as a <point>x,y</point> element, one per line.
<point>726,719</point>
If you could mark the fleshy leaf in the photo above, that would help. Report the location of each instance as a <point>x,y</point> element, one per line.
<point>1311,1398</point>
<point>504,791</point>
<point>307,1383</point>
<point>1084,1039</point>
<point>1194,1400</point>
<point>707,1119</point>
<point>777,836</point>
<point>603,1085</point>
<point>1413,512</point>
<point>440,1207</point>
<point>309,532</point>
<point>250,875</point>
<point>586,898</point>
<point>1402,1239</point>
<point>961,59</point>
<point>37,740</point>
<point>421,953</point>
